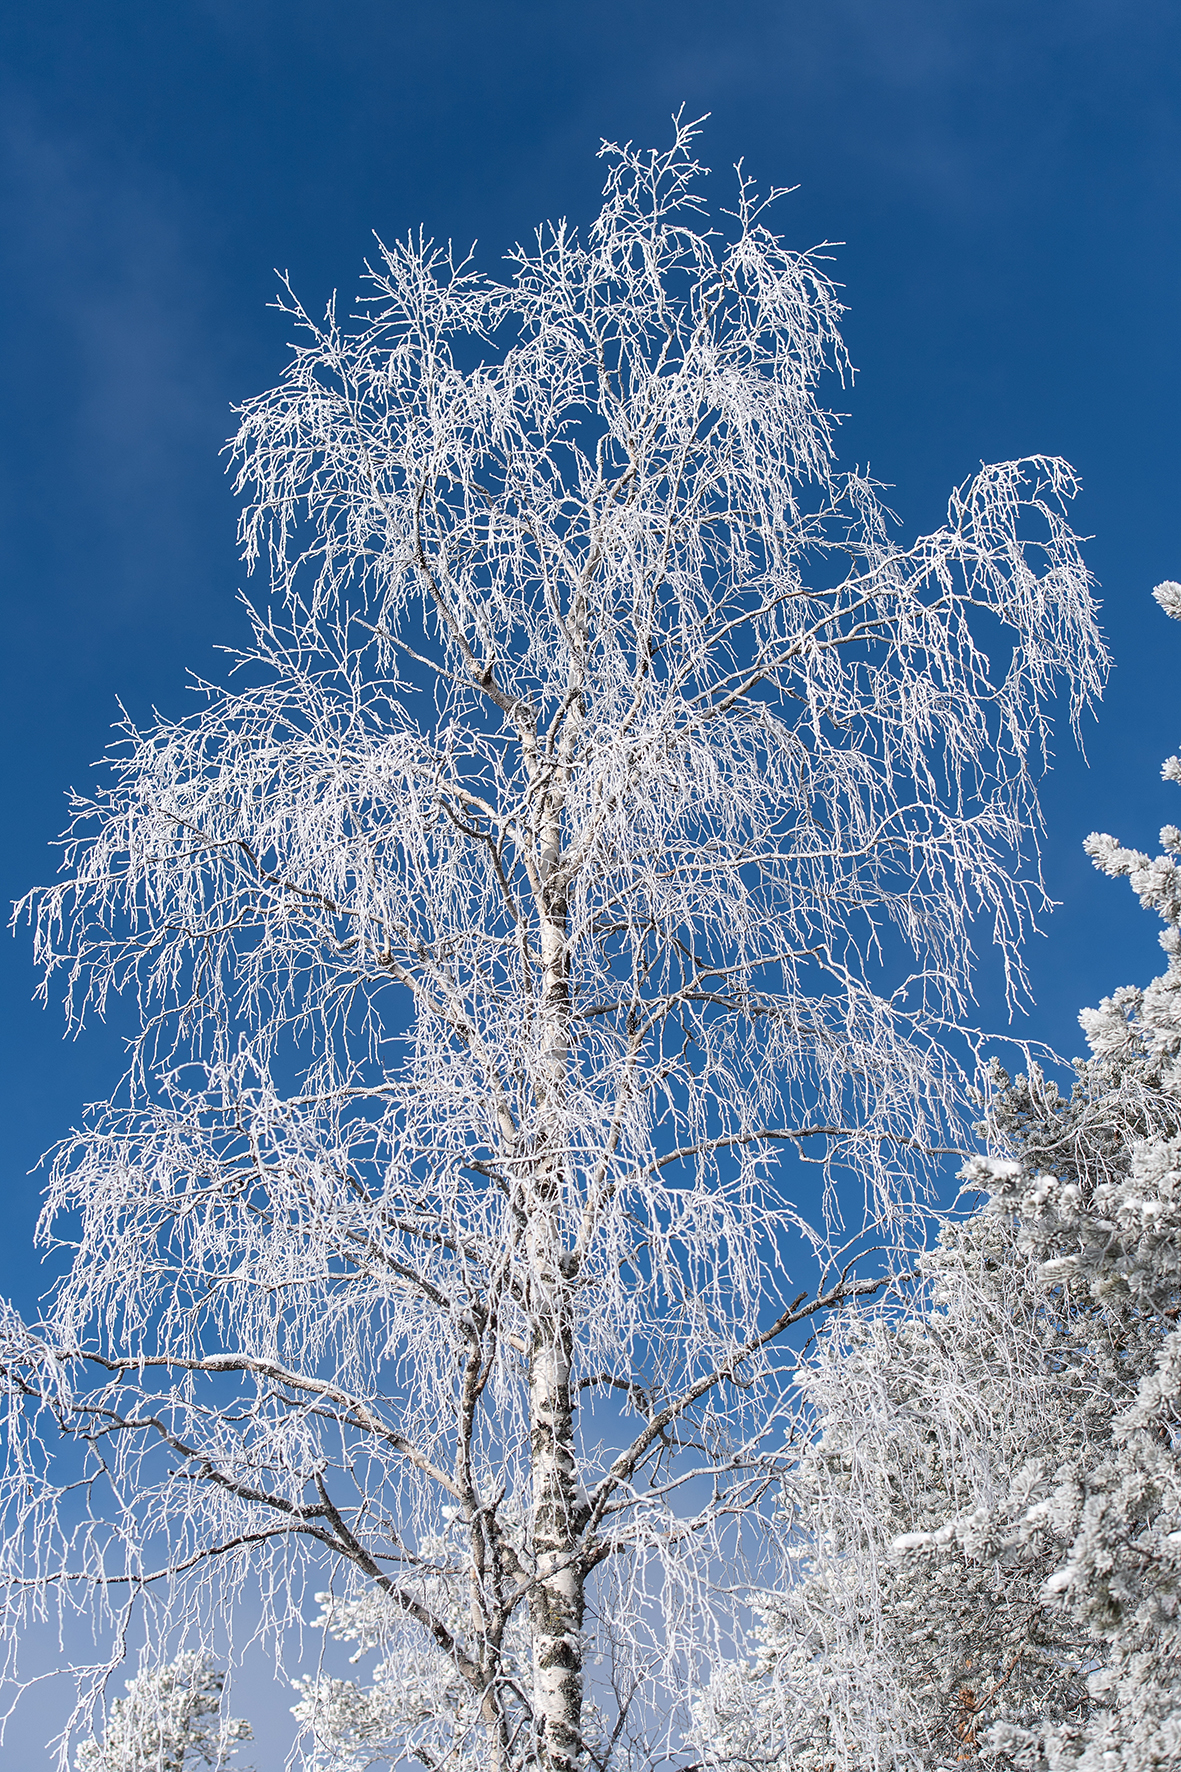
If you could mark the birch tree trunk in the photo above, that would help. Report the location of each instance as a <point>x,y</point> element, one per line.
<point>557,1601</point>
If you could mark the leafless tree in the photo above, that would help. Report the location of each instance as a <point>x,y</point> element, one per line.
<point>598,816</point>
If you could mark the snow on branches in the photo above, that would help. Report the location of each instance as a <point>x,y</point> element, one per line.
<point>170,1721</point>
<point>983,1556</point>
<point>598,817</point>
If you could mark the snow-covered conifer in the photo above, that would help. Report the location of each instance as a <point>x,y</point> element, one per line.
<point>983,1528</point>
<point>170,1721</point>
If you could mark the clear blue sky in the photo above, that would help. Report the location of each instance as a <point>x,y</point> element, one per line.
<point>1006,176</point>
<point>1006,179</point>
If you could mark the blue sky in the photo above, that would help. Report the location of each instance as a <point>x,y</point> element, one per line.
<point>1006,178</point>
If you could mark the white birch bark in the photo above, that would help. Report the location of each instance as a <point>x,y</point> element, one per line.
<point>557,1603</point>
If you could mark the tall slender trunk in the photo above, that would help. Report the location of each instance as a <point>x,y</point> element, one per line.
<point>557,1601</point>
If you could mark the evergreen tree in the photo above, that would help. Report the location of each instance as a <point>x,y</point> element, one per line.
<point>170,1721</point>
<point>983,1529</point>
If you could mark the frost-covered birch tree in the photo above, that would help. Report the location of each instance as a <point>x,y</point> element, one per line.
<point>542,951</point>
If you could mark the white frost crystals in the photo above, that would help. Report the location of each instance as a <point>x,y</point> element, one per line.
<point>170,1721</point>
<point>594,827</point>
<point>414,1705</point>
<point>1168,595</point>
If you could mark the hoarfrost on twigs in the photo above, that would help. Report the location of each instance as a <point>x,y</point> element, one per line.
<point>594,828</point>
